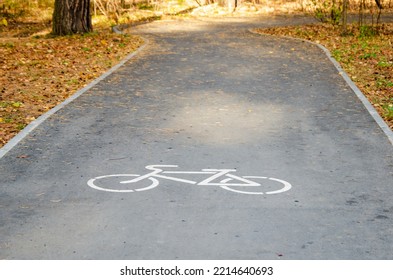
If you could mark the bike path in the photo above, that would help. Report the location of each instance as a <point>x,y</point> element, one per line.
<point>205,95</point>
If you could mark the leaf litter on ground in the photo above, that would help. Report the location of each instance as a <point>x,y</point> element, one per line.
<point>37,73</point>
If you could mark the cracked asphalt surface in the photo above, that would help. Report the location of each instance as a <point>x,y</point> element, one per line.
<point>205,95</point>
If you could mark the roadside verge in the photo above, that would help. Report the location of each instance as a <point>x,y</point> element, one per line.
<point>30,127</point>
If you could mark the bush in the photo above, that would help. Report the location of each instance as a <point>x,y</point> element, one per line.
<point>328,10</point>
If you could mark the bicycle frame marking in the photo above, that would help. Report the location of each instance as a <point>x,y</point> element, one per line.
<point>157,172</point>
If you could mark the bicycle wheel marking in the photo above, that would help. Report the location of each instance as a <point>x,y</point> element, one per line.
<point>121,183</point>
<point>92,183</point>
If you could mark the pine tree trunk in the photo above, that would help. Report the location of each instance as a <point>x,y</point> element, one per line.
<point>71,16</point>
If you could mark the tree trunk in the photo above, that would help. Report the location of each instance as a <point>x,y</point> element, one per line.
<point>71,16</point>
<point>344,29</point>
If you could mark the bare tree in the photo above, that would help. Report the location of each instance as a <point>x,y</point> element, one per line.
<point>112,9</point>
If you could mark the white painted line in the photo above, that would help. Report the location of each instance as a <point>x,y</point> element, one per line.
<point>34,124</point>
<point>378,119</point>
<point>176,179</point>
<point>223,182</point>
<point>92,183</point>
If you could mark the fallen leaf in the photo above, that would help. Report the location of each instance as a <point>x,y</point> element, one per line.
<point>23,156</point>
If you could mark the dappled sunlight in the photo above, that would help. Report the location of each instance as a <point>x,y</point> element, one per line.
<point>167,26</point>
<point>220,118</point>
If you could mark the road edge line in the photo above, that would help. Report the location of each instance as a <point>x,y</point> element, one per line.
<point>366,103</point>
<point>34,124</point>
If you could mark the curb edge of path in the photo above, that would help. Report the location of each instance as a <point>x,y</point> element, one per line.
<point>34,124</point>
<point>370,108</point>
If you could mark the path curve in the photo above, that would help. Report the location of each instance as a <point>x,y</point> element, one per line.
<point>205,95</point>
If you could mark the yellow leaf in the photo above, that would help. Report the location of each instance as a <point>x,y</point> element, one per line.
<point>4,22</point>
<point>17,104</point>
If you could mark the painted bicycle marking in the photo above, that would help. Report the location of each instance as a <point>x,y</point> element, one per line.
<point>223,178</point>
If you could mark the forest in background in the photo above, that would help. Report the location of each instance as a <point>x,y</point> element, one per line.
<point>116,11</point>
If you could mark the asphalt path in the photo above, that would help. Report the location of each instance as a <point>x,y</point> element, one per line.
<point>259,148</point>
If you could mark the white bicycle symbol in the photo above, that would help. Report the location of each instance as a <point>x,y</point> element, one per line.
<point>218,177</point>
